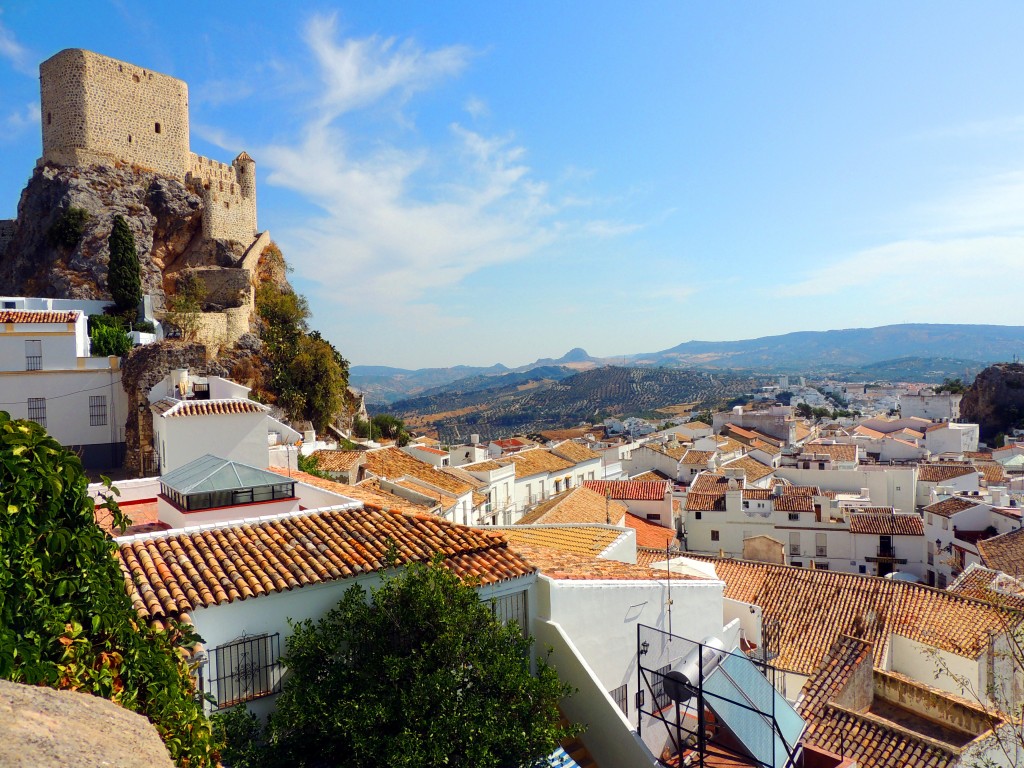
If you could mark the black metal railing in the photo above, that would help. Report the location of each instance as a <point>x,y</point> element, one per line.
<point>247,669</point>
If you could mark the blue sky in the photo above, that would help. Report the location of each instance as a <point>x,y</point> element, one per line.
<point>478,182</point>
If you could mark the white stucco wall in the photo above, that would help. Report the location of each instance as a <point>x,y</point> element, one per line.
<point>238,437</point>
<point>935,667</point>
<point>888,487</point>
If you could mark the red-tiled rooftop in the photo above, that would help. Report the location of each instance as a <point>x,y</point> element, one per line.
<point>178,571</point>
<point>649,534</point>
<point>38,316</point>
<point>886,524</point>
<point>562,565</point>
<point>629,490</point>
<point>172,408</point>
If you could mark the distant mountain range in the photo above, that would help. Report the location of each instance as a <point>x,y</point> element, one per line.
<point>920,352</point>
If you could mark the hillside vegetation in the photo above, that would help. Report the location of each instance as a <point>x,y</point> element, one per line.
<point>544,403</point>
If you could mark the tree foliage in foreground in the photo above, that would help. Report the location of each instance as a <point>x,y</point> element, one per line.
<point>420,675</point>
<point>65,618</point>
<point>308,376</point>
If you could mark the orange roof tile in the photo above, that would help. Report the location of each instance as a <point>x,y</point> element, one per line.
<point>581,539</point>
<point>629,490</point>
<point>990,585</point>
<point>1004,553</point>
<point>886,524</point>
<point>38,316</point>
<point>949,507</point>
<point>562,565</point>
<point>336,461</point>
<point>171,408</point>
<point>651,476</point>
<point>536,461</point>
<point>835,451</point>
<point>793,503</point>
<point>367,494</point>
<point>649,534</point>
<point>574,452</point>
<point>699,458</point>
<point>580,505</point>
<point>815,607</point>
<point>705,502</point>
<point>754,468</point>
<point>178,571</point>
<point>394,463</point>
<point>937,473</point>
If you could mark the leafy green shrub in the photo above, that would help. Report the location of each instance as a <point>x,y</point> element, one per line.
<point>66,620</point>
<point>105,321</point>
<point>66,231</point>
<point>424,659</point>
<point>109,340</point>
<point>144,326</point>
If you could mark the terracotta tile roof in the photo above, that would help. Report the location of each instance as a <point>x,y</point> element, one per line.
<point>651,476</point>
<point>794,504</point>
<point>484,466</point>
<point>840,662</point>
<point>336,461</point>
<point>708,482</point>
<point>978,455</point>
<point>815,607</point>
<point>886,524</point>
<point>178,571</point>
<point>993,473</point>
<point>677,451</point>
<point>38,316</point>
<point>801,490</point>
<point>561,565</point>
<point>171,408</point>
<point>868,740</point>
<point>990,585</point>
<point>580,505</point>
<point>394,463</point>
<point>802,432</point>
<point>697,425</point>
<point>835,451</point>
<point>764,445</point>
<point>362,492</point>
<point>650,534</point>
<point>937,473</point>
<point>142,515</point>
<point>861,430</point>
<point>574,452</point>
<point>461,474</point>
<point>705,502</point>
<point>442,497</point>
<point>949,507</point>
<point>699,458</point>
<point>727,445</point>
<point>757,494</point>
<point>536,461</point>
<point>629,490</point>
<point>580,539</point>
<point>755,469</point>
<point>431,451</point>
<point>1004,553</point>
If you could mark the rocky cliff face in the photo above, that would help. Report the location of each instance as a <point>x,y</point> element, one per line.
<point>164,215</point>
<point>996,399</point>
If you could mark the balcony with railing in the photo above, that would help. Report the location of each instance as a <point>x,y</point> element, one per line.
<point>886,555</point>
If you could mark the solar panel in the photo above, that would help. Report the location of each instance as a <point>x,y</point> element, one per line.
<point>733,690</point>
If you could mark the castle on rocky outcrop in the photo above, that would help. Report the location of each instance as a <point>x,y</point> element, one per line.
<point>96,109</point>
<point>111,123</point>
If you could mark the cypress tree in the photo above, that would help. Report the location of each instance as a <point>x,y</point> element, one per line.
<point>123,276</point>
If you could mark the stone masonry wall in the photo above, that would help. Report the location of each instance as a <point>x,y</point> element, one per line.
<point>96,108</point>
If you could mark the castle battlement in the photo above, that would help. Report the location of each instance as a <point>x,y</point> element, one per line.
<point>98,110</point>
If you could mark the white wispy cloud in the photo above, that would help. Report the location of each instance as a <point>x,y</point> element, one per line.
<point>17,54</point>
<point>22,119</point>
<point>476,108</point>
<point>399,224</point>
<point>359,72</point>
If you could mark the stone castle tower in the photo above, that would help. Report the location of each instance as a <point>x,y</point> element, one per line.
<point>96,109</point>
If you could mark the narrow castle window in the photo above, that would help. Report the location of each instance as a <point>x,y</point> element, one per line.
<point>135,78</point>
<point>227,204</point>
<point>158,127</point>
<point>49,118</point>
<point>129,138</point>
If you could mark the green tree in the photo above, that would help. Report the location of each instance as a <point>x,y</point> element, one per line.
<point>803,410</point>
<point>391,427</point>
<point>365,429</point>
<point>123,277</point>
<point>420,675</point>
<point>316,383</point>
<point>66,620</point>
<point>185,307</point>
<point>67,230</point>
<point>109,340</point>
<point>953,386</point>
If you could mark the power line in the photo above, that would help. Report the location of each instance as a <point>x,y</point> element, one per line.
<point>66,394</point>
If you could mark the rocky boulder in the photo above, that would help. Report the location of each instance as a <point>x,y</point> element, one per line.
<point>43,727</point>
<point>996,399</point>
